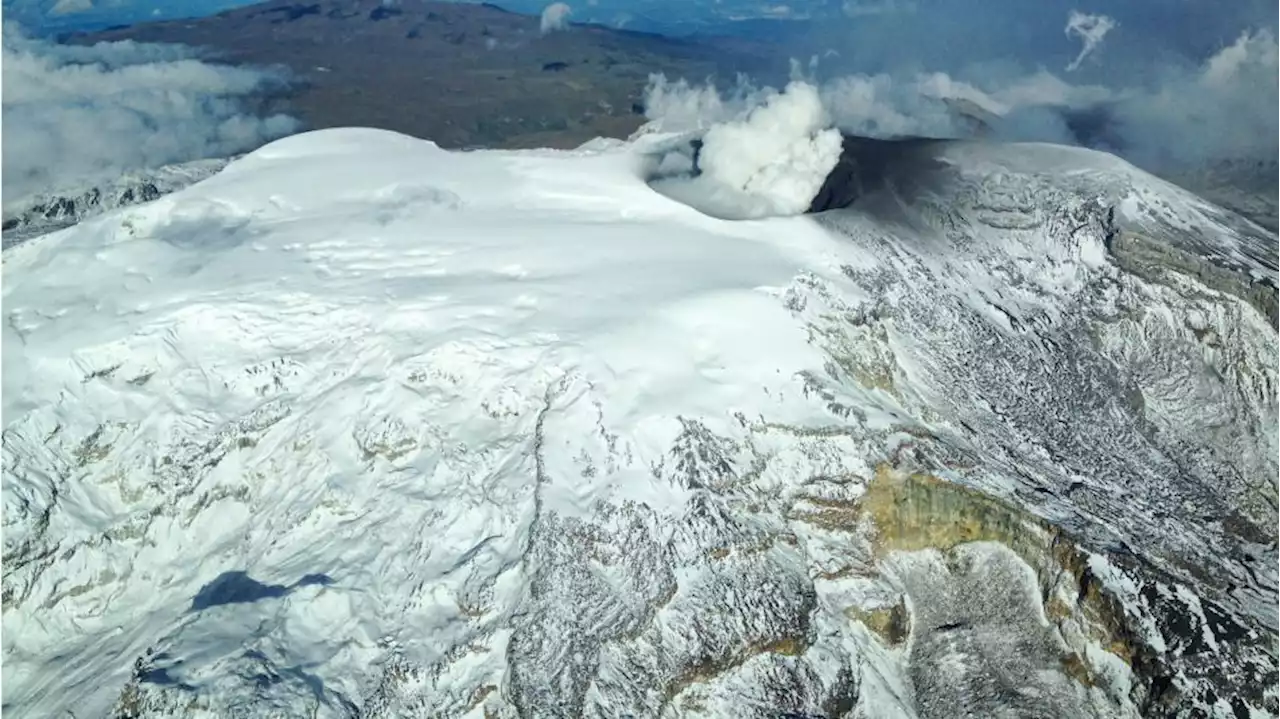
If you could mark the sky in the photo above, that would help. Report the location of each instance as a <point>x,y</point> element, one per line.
<point>48,17</point>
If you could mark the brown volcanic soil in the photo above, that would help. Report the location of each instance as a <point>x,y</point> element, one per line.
<point>462,75</point>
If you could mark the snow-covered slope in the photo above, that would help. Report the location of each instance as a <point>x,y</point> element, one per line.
<point>360,427</point>
<point>28,217</point>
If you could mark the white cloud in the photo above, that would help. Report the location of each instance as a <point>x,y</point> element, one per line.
<point>80,114</point>
<point>71,7</point>
<point>555,17</point>
<point>777,11</point>
<point>865,8</point>
<point>1091,29</point>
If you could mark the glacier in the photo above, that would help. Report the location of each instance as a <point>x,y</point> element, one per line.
<point>358,426</point>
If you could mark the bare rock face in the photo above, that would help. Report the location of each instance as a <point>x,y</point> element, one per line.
<point>1107,409</point>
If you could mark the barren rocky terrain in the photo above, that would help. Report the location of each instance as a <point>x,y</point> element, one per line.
<point>459,74</point>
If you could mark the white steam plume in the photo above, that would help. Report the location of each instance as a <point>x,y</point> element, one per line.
<point>871,105</point>
<point>555,17</point>
<point>681,107</point>
<point>1220,109</point>
<point>783,149</point>
<point>1226,109</point>
<point>1252,53</point>
<point>771,161</point>
<point>1091,29</point>
<point>80,114</point>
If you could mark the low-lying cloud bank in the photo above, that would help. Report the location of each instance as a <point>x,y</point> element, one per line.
<point>74,115</point>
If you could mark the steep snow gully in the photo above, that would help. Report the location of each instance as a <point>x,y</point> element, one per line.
<point>361,427</point>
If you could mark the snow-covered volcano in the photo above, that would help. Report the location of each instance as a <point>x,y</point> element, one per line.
<point>361,427</point>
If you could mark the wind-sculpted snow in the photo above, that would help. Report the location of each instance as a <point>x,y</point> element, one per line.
<point>360,427</point>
